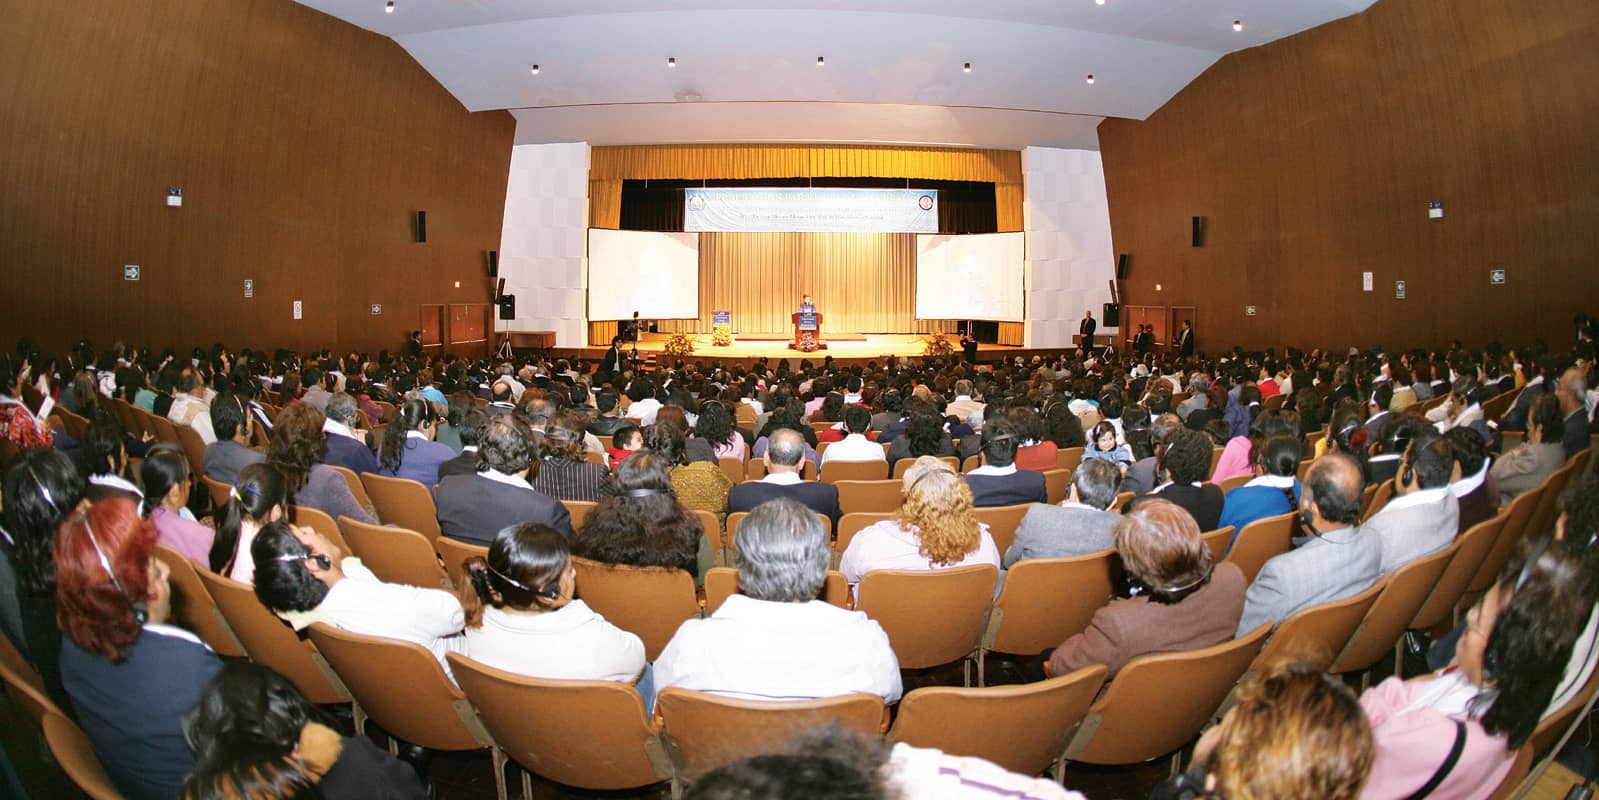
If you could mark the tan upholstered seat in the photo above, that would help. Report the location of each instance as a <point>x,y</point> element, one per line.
<point>76,756</point>
<point>220,492</point>
<point>870,496</point>
<point>1385,492</point>
<point>732,467</point>
<point>395,555</point>
<point>835,471</point>
<point>1218,541</point>
<point>705,731</point>
<point>357,489</point>
<point>1259,541</point>
<point>648,601</point>
<point>578,510</point>
<point>320,522</point>
<point>903,602</point>
<point>270,641</point>
<point>737,517</point>
<point>1002,522</point>
<point>193,448</point>
<point>1056,484</point>
<point>453,552</point>
<point>1392,612</point>
<point>1316,635</point>
<point>402,502</point>
<point>722,582</point>
<point>1228,484</point>
<point>903,465</point>
<point>971,463</point>
<point>193,606</point>
<point>1068,458</point>
<point>1470,550</point>
<point>1045,601</point>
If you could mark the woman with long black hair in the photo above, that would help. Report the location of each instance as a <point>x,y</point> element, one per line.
<point>408,449</point>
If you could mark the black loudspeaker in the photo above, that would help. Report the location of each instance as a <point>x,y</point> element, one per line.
<point>494,263</point>
<point>1110,316</point>
<point>1199,231</point>
<point>421,226</point>
<point>1121,267</point>
<point>507,306</point>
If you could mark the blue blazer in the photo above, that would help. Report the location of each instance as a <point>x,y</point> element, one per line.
<point>353,455</point>
<point>1249,503</point>
<point>420,461</point>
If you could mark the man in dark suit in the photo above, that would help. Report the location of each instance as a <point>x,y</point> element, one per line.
<point>501,399</point>
<point>471,428</point>
<point>1183,462</point>
<point>1381,398</point>
<point>1573,394</point>
<point>785,455</point>
<point>606,423</point>
<point>1185,339</point>
<point>473,508</point>
<point>345,447</point>
<point>1087,328</point>
<point>997,482</point>
<point>614,362</point>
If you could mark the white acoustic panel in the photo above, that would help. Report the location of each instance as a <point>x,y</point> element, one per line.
<point>542,239</point>
<point>1069,255</point>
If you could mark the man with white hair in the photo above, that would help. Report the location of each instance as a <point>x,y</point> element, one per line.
<point>1572,392</point>
<point>963,407</point>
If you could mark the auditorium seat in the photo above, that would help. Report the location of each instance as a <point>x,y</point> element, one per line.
<point>1316,635</point>
<point>880,496</point>
<point>650,602</point>
<point>193,607</point>
<point>904,601</point>
<point>402,502</point>
<point>270,641</point>
<point>396,555</point>
<point>1045,601</point>
<point>1218,541</point>
<point>1259,541</point>
<point>722,583</point>
<point>1391,613</point>
<point>707,731</point>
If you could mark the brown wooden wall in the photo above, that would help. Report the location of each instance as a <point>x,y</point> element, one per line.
<point>1312,159</point>
<point>303,146</point>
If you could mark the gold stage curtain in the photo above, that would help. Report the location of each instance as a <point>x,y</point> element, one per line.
<point>605,207</point>
<point>745,161</point>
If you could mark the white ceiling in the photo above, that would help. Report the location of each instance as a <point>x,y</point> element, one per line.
<point>747,68</point>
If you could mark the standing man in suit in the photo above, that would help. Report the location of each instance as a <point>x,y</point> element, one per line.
<point>785,455</point>
<point>1185,339</point>
<point>997,482</point>
<point>1077,527</point>
<point>473,508</point>
<point>614,362</point>
<point>1340,560</point>
<point>1424,515</point>
<point>1087,328</point>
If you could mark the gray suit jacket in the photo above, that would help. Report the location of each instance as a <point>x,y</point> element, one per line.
<point>1334,566</point>
<point>1050,531</point>
<point>1522,469</point>
<point>1409,530</point>
<point>224,459</point>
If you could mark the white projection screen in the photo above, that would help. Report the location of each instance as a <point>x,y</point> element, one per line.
<point>655,274</point>
<point>976,276</point>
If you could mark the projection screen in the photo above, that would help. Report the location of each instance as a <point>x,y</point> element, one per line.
<point>655,274</point>
<point>970,277</point>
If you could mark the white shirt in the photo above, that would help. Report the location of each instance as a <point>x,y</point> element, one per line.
<point>363,604</point>
<point>193,412</point>
<point>763,650</point>
<point>1273,481</point>
<point>644,411</point>
<point>1008,469</point>
<point>854,447</point>
<point>569,643</point>
<point>886,545</point>
<point>926,773</point>
<point>509,480</point>
<point>337,428</point>
<point>784,478</point>
<point>1416,498</point>
<point>754,404</point>
<point>1466,486</point>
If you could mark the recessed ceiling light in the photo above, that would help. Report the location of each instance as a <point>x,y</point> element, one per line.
<point>1238,24</point>
<point>388,8</point>
<point>534,70</point>
<point>1099,2</point>
<point>820,61</point>
<point>968,67</point>
<point>1090,78</point>
<point>671,63</point>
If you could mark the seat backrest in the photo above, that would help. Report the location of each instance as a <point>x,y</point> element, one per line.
<point>401,687</point>
<point>388,410</point>
<point>1002,522</point>
<point>1543,517</point>
<point>23,692</point>
<point>1385,492</point>
<point>594,735</point>
<point>395,555</point>
<point>1304,466</point>
<point>732,467</point>
<point>1056,483</point>
<point>595,457</point>
<point>11,658</point>
<point>76,756</point>
<point>1259,541</point>
<point>1218,541</point>
<point>1551,728</point>
<point>1022,728</point>
<point>193,606</point>
<point>835,471</point>
<point>1068,458</point>
<point>164,429</point>
<point>1228,484</point>
<point>1215,458</point>
<point>1366,496</point>
<point>712,528</point>
<point>648,601</point>
<point>320,522</point>
<point>706,731</point>
<point>1045,601</point>
<point>578,510</point>
<point>402,502</point>
<point>1470,550</point>
<point>1317,635</point>
<point>722,583</point>
<point>452,552</point>
<point>971,463</point>
<point>357,489</point>
<point>1159,702</point>
<point>1122,498</point>
<point>1392,611</point>
<point>1510,533</point>
<point>270,641</point>
<point>870,496</point>
<point>193,448</point>
<point>220,492</point>
<point>905,601</point>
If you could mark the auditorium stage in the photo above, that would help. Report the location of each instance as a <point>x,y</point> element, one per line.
<point>849,348</point>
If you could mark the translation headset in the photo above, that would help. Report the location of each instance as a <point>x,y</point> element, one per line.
<point>321,560</point>
<point>141,612</point>
<point>550,591</point>
<point>645,492</point>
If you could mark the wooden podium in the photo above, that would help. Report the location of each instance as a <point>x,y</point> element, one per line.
<point>807,328</point>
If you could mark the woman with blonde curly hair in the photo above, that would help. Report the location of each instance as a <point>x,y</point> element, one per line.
<point>934,529</point>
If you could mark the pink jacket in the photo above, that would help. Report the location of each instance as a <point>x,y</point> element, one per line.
<point>1414,726</point>
<point>1235,458</point>
<point>192,539</point>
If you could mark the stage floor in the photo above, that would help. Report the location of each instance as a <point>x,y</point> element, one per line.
<point>855,348</point>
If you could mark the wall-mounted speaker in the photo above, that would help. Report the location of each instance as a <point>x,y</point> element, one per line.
<point>1111,315</point>
<point>421,226</point>
<point>1199,231</point>
<point>494,263</point>
<point>507,306</point>
<point>1121,267</point>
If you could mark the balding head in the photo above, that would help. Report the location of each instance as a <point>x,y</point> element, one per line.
<point>1573,390</point>
<point>785,450</point>
<point>1332,491</point>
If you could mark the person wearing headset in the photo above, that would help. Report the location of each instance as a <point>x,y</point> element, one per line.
<point>131,675</point>
<point>1423,516</point>
<point>1336,560</point>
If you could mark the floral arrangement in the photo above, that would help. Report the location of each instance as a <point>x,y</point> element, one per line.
<point>807,342</point>
<point>681,344</point>
<point>722,336</point>
<point>937,345</point>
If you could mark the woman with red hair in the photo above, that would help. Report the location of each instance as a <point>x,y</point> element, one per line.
<point>130,675</point>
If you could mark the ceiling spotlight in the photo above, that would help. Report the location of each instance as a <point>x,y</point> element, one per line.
<point>1090,78</point>
<point>968,67</point>
<point>388,8</point>
<point>671,63</point>
<point>1099,2</point>
<point>534,70</point>
<point>820,61</point>
<point>1238,24</point>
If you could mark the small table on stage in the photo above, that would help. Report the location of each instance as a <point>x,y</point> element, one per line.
<point>807,328</point>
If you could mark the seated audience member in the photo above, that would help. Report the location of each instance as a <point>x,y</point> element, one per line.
<point>699,485</point>
<point>130,674</point>
<point>258,497</point>
<point>1275,489</point>
<point>854,446</point>
<point>316,391</point>
<point>190,407</point>
<point>643,524</point>
<point>408,449</point>
<point>1391,442</point>
<point>715,427</point>
<point>1182,464</point>
<point>607,420</point>
<point>693,449</point>
<point>1036,451</point>
<point>970,446</point>
<point>1062,427</point>
<point>448,433</point>
<point>1340,559</point>
<point>627,440</point>
<point>775,640</point>
<point>1241,453</point>
<point>644,406</point>
<point>1382,396</point>
<point>1470,484</point>
<point>296,450</point>
<point>1294,733</point>
<point>1460,409</point>
<point>788,416</point>
<point>345,441</point>
<point>305,578</point>
<point>963,407</point>
<point>785,453</point>
<point>1141,476</point>
<point>1573,396</point>
<point>468,427</point>
<point>934,529</point>
<point>473,508</point>
<point>1423,516</point>
<point>165,475</point>
<point>998,482</point>
<point>564,472</point>
<point>231,452</point>
<point>923,436</point>
<point>42,488</point>
<point>17,424</point>
<point>1102,446</point>
<point>103,461</point>
<point>1539,455</point>
<point>891,412</point>
<point>253,728</point>
<point>1178,598</point>
<point>1509,662</point>
<point>521,616</point>
<point>1079,526</point>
